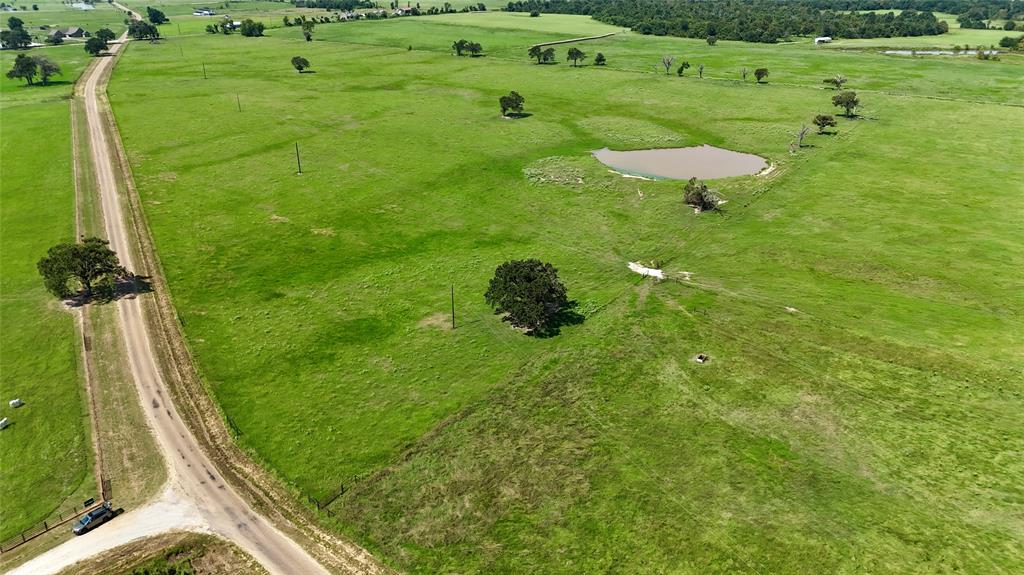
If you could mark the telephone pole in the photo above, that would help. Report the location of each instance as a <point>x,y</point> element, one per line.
<point>297,159</point>
<point>453,306</point>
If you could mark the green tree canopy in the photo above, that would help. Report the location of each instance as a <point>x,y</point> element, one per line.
<point>528,292</point>
<point>847,100</point>
<point>575,54</point>
<point>156,16</point>
<point>513,103</point>
<point>47,68</point>
<point>94,46</point>
<point>600,60</point>
<point>71,267</point>
<point>300,63</point>
<point>105,34</point>
<point>251,28</point>
<point>24,67</point>
<point>823,121</point>
<point>760,74</point>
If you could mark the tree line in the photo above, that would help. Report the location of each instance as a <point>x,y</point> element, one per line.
<point>749,20</point>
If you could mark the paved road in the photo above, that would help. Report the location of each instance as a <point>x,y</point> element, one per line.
<point>197,499</point>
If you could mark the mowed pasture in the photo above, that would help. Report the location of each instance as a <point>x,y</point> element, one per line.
<point>860,413</point>
<point>45,454</point>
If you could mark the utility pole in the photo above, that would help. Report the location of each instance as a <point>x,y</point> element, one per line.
<point>297,159</point>
<point>204,71</point>
<point>453,306</point>
<point>239,102</point>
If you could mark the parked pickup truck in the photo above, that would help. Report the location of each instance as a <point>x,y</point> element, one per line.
<point>93,519</point>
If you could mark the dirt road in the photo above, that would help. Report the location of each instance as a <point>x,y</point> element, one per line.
<point>196,498</point>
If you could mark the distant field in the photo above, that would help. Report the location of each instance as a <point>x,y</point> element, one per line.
<point>45,455</point>
<point>57,15</point>
<point>508,36</point>
<point>861,306</point>
<point>955,36</point>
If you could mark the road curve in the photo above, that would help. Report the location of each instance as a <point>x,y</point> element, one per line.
<point>196,498</point>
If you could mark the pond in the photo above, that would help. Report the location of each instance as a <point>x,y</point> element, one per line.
<point>704,162</point>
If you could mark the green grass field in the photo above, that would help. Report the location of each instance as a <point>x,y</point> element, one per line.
<point>861,306</point>
<point>45,455</point>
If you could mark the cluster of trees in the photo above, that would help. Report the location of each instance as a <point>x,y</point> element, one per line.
<point>85,268</point>
<point>156,16</point>
<point>141,30</point>
<point>575,55</point>
<point>15,36</point>
<point>511,104</point>
<point>28,67</point>
<point>461,46</point>
<point>748,20</point>
<point>1012,43</point>
<point>251,28</point>
<point>346,5</point>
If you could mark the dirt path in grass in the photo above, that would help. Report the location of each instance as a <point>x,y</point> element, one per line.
<point>196,497</point>
<point>571,40</point>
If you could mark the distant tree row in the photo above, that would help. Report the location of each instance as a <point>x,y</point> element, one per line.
<point>466,47</point>
<point>546,55</point>
<point>748,20</point>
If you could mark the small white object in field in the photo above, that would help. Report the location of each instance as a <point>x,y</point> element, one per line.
<point>16,403</point>
<point>686,275</point>
<point>4,423</point>
<point>701,358</point>
<point>791,309</point>
<point>646,271</point>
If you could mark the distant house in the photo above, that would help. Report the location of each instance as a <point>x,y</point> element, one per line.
<point>58,33</point>
<point>203,12</point>
<point>74,32</point>
<point>823,39</point>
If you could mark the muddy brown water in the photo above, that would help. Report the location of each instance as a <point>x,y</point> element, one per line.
<point>704,162</point>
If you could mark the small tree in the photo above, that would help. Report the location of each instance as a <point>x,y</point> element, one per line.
<point>682,69</point>
<point>105,34</point>
<point>548,55</point>
<point>25,67</point>
<point>534,13</point>
<point>536,52</point>
<point>47,68</point>
<point>307,30</point>
<point>744,72</point>
<point>251,29</point>
<point>95,46</point>
<point>459,46</point>
<point>847,100</point>
<point>697,195</point>
<point>836,81</point>
<point>513,103</point>
<point>15,23</point>
<point>54,39</point>
<point>600,60</point>
<point>155,16</point>
<point>528,292</point>
<point>300,63</point>
<point>86,264</point>
<point>474,49</point>
<point>286,21</point>
<point>760,74</point>
<point>575,54</point>
<point>712,40</point>
<point>666,62</point>
<point>799,135</point>
<point>823,121</point>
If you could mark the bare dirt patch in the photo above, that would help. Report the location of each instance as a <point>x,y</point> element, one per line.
<point>439,320</point>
